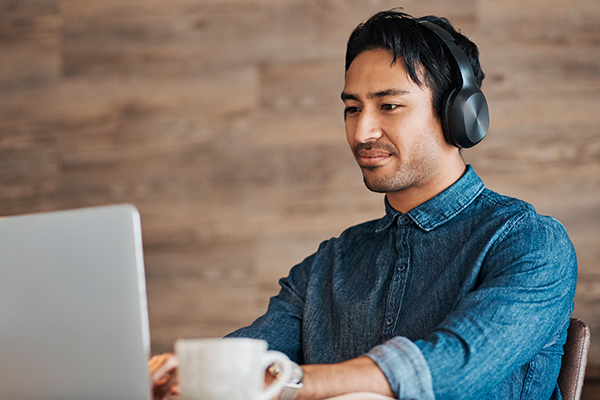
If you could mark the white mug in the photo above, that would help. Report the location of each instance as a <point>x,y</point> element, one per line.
<point>228,369</point>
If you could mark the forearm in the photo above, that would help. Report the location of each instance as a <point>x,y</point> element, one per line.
<point>357,375</point>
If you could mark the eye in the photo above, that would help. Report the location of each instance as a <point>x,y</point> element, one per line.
<point>350,111</point>
<point>389,107</point>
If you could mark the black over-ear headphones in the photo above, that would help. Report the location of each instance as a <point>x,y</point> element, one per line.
<point>465,115</point>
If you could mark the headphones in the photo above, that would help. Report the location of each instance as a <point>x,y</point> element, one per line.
<point>465,115</point>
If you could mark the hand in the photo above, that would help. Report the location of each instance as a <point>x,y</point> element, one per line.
<point>163,374</point>
<point>269,380</point>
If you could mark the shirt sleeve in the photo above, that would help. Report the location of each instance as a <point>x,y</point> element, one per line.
<point>522,304</point>
<point>405,368</point>
<point>281,325</point>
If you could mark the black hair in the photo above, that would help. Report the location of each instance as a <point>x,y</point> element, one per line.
<point>421,50</point>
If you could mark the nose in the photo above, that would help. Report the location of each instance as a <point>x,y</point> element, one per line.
<point>367,127</point>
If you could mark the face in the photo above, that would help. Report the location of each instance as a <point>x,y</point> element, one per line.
<point>391,126</point>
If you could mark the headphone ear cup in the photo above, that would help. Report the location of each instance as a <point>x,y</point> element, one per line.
<point>468,120</point>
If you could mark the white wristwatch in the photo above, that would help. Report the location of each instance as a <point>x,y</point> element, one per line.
<point>293,385</point>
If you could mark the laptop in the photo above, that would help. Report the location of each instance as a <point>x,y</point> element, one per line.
<point>73,311</point>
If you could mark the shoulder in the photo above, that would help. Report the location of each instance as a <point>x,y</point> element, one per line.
<point>525,237</point>
<point>517,214</point>
<point>500,204</point>
<point>508,214</point>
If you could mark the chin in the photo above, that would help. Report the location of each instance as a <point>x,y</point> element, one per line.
<point>385,185</point>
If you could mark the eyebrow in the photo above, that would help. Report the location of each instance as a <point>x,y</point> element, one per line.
<point>382,93</point>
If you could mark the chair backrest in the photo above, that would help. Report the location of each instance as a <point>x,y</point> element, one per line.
<point>574,360</point>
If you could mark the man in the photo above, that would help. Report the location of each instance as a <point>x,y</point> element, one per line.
<point>457,292</point>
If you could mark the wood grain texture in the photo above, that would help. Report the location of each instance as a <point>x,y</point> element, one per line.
<point>221,121</point>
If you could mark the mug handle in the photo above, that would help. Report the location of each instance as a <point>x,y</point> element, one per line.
<point>277,385</point>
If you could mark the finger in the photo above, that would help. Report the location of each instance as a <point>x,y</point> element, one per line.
<point>175,389</point>
<point>167,388</point>
<point>156,361</point>
<point>163,371</point>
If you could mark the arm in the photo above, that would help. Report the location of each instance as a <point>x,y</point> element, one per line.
<point>521,305</point>
<point>357,375</point>
<point>280,326</point>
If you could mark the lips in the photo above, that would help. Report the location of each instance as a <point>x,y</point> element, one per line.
<point>373,153</point>
<point>371,156</point>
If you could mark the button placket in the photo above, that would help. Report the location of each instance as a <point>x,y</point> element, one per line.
<point>398,281</point>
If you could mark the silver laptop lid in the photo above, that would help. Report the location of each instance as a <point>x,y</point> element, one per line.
<point>73,311</point>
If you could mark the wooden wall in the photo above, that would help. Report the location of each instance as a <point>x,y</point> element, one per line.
<point>221,121</point>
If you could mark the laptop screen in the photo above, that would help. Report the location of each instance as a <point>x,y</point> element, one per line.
<point>73,312</point>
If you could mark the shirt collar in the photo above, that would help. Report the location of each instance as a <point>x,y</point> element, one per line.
<point>441,208</point>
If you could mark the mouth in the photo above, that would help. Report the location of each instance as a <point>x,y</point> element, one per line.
<point>369,156</point>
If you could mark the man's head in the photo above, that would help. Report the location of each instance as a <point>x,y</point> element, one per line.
<point>425,58</point>
<point>397,73</point>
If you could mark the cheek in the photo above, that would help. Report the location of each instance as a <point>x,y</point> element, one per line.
<point>417,137</point>
<point>438,135</point>
<point>431,129</point>
<point>404,132</point>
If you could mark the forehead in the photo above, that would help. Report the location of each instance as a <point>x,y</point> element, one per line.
<point>372,71</point>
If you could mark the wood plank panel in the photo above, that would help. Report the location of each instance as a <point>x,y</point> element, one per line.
<point>541,21</point>
<point>221,121</point>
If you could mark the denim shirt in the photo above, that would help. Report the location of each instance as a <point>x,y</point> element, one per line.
<point>466,296</point>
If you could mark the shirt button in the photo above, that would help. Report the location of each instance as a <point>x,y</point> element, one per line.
<point>389,321</point>
<point>401,267</point>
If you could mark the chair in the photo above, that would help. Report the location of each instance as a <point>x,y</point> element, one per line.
<point>574,360</point>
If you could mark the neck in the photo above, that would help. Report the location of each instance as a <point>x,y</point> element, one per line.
<point>445,176</point>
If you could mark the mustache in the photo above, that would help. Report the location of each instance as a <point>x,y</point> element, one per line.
<point>374,146</point>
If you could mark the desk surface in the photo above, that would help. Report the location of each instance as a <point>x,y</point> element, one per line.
<point>361,396</point>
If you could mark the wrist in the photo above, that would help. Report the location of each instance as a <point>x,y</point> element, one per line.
<point>362,374</point>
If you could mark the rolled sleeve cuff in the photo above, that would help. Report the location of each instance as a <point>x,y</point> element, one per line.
<point>405,368</point>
